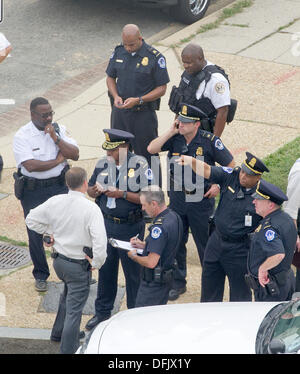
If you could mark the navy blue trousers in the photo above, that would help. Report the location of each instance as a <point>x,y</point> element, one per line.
<point>221,259</point>
<point>196,217</point>
<point>31,199</point>
<point>108,274</point>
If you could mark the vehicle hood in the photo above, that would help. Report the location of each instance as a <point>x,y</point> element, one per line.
<point>198,328</point>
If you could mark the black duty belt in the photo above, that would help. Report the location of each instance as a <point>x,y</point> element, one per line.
<point>33,183</point>
<point>81,262</point>
<point>136,217</point>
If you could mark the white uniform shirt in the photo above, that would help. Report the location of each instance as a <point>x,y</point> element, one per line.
<point>30,143</point>
<point>75,222</point>
<point>293,191</point>
<point>4,43</point>
<point>217,89</point>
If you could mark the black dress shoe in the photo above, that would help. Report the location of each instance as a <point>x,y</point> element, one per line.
<point>58,338</point>
<point>175,293</point>
<point>96,320</point>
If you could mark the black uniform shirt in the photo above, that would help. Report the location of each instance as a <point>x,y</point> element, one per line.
<point>132,177</point>
<point>163,237</point>
<point>235,216</point>
<point>276,234</point>
<point>139,74</point>
<point>203,144</point>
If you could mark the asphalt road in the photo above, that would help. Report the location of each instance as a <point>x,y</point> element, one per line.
<point>55,40</point>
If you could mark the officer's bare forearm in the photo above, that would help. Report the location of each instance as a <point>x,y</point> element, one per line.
<point>220,120</point>
<point>69,151</point>
<point>156,144</point>
<point>201,168</point>
<point>133,197</point>
<point>155,94</point>
<point>112,86</point>
<point>37,165</point>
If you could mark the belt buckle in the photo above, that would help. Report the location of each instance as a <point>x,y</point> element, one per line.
<point>117,220</point>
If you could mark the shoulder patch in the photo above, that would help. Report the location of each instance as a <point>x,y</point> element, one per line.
<point>227,169</point>
<point>162,62</point>
<point>219,145</point>
<point>270,235</point>
<point>156,232</point>
<point>149,174</point>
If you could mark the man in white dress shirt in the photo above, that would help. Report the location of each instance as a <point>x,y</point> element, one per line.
<point>41,149</point>
<point>73,222</point>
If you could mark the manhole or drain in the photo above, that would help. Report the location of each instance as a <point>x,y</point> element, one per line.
<point>12,256</point>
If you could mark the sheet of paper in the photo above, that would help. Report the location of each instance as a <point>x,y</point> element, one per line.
<point>123,245</point>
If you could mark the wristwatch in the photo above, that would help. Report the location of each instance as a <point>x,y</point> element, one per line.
<point>125,195</point>
<point>141,101</point>
<point>57,139</point>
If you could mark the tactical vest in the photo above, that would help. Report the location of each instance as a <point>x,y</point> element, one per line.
<point>188,86</point>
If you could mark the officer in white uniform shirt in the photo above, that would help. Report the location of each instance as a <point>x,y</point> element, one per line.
<point>73,222</point>
<point>205,86</point>
<point>41,150</point>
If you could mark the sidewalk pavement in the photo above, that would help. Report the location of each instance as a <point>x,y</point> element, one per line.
<point>258,48</point>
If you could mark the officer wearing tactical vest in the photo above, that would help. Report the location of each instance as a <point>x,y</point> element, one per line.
<point>205,86</point>
<point>159,249</point>
<point>115,185</point>
<point>194,206</point>
<point>137,78</point>
<point>235,218</point>
<point>273,246</point>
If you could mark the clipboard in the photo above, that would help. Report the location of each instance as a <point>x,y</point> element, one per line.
<point>121,244</point>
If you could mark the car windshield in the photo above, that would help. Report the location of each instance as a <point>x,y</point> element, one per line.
<point>287,329</point>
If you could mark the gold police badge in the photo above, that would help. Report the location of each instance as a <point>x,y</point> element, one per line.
<point>131,173</point>
<point>145,61</point>
<point>199,151</point>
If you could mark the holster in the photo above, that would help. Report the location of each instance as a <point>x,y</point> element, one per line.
<point>175,100</point>
<point>19,185</point>
<point>231,110</point>
<point>251,282</point>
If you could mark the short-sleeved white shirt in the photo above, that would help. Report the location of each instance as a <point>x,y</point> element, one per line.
<point>30,143</point>
<point>4,43</point>
<point>217,90</point>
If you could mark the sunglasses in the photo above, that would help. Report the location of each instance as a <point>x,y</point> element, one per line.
<point>45,115</point>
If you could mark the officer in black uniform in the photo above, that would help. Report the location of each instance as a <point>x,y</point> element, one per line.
<point>194,207</point>
<point>115,185</point>
<point>235,218</point>
<point>159,249</point>
<point>137,77</point>
<point>272,248</point>
<point>206,86</point>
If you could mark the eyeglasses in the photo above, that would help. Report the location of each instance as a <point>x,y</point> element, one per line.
<point>45,115</point>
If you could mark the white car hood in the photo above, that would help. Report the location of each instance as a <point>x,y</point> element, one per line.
<point>182,329</point>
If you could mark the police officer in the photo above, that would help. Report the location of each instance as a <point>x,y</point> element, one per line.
<point>273,246</point>
<point>137,78</point>
<point>186,137</point>
<point>41,149</point>
<point>115,184</point>
<point>159,249</point>
<point>235,218</point>
<point>206,86</point>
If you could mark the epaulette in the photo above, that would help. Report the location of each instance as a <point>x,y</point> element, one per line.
<point>207,134</point>
<point>153,50</point>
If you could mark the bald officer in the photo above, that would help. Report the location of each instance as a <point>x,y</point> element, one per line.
<point>204,85</point>
<point>273,246</point>
<point>137,78</point>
